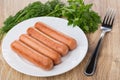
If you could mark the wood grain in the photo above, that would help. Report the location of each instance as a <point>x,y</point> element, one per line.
<point>108,67</point>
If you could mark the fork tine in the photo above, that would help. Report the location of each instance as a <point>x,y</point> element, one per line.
<point>109,18</point>
<point>112,18</point>
<point>106,17</point>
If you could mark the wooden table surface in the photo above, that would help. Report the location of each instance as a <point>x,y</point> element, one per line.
<point>108,67</point>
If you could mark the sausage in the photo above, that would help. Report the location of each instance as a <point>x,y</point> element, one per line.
<point>69,41</point>
<point>31,55</point>
<point>40,47</point>
<point>50,42</point>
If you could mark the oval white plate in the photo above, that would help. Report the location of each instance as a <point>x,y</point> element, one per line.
<point>68,62</point>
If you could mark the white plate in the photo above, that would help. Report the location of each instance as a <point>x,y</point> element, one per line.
<point>68,62</point>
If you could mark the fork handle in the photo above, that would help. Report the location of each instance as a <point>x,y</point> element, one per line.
<point>91,65</point>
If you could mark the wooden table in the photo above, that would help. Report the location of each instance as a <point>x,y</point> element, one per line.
<point>108,67</point>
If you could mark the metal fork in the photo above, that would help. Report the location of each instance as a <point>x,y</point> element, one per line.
<point>106,27</point>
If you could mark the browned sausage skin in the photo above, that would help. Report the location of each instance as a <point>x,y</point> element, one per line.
<point>69,41</point>
<point>40,47</point>
<point>31,55</point>
<point>50,42</point>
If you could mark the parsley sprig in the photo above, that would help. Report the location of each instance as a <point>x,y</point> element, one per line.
<point>82,15</point>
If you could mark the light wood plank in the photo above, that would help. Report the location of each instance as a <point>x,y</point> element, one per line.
<point>108,67</point>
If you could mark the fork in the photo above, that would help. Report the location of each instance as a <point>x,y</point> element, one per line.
<point>106,27</point>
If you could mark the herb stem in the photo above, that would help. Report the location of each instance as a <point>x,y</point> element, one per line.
<point>53,12</point>
<point>17,19</point>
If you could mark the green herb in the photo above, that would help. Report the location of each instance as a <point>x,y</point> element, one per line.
<point>79,14</point>
<point>35,9</point>
<point>76,12</point>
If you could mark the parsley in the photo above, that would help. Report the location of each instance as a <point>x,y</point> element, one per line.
<point>79,14</point>
<point>76,12</point>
